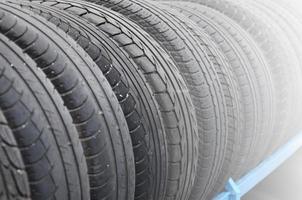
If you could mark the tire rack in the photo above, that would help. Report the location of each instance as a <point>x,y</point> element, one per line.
<point>236,190</point>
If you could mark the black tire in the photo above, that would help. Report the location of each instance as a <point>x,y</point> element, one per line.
<point>14,182</point>
<point>138,105</point>
<point>42,128</point>
<point>290,31</point>
<point>88,96</point>
<point>251,73</point>
<point>202,80</point>
<point>163,78</point>
<point>232,111</point>
<point>276,55</point>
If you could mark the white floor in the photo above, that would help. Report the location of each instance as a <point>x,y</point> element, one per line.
<point>284,184</point>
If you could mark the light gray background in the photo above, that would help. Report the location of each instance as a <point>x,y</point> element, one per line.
<point>284,184</point>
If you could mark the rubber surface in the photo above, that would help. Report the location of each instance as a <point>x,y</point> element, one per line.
<point>277,137</point>
<point>136,108</point>
<point>88,96</point>
<point>289,28</point>
<point>139,107</point>
<point>252,79</point>
<point>13,178</point>
<point>201,78</point>
<point>233,112</point>
<point>41,126</point>
<point>175,105</point>
<point>262,32</point>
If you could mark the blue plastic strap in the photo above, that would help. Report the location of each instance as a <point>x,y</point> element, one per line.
<point>234,191</point>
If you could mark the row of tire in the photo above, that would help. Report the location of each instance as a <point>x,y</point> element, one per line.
<point>133,99</point>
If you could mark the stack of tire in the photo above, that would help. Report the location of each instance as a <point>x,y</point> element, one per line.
<point>144,100</point>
